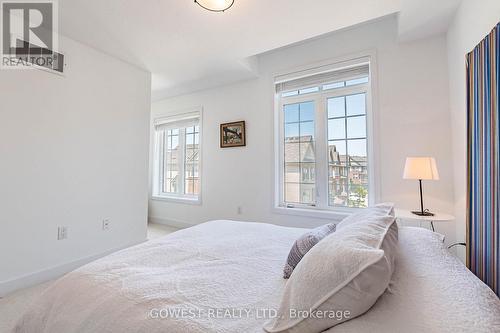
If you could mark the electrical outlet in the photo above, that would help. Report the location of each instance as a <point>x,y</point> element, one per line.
<point>62,232</point>
<point>106,223</point>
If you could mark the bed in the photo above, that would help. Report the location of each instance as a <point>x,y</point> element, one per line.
<point>226,276</point>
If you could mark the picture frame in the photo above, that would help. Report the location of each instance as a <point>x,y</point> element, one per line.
<point>233,134</point>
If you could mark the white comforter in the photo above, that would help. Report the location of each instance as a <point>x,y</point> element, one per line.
<point>223,276</point>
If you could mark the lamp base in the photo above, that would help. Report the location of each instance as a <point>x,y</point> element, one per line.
<point>424,213</point>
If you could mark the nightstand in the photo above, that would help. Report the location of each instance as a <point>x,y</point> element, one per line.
<point>407,215</point>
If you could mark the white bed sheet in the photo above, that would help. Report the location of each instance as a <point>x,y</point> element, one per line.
<point>218,266</point>
<point>432,291</point>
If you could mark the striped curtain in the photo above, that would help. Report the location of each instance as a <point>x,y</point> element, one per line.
<point>483,220</point>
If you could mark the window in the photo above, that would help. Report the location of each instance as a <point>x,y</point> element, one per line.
<point>177,158</point>
<point>324,160</point>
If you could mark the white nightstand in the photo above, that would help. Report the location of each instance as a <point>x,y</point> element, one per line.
<point>407,215</point>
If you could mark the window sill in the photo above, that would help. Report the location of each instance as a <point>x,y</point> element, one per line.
<point>314,213</point>
<point>180,200</point>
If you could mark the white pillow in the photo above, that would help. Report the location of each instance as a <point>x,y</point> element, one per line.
<point>382,209</point>
<point>340,278</point>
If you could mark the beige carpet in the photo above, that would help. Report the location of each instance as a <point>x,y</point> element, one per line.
<point>159,230</point>
<point>14,305</point>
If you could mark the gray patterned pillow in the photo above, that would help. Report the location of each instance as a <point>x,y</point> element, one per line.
<point>304,244</point>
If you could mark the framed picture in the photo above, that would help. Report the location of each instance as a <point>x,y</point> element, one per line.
<point>232,134</point>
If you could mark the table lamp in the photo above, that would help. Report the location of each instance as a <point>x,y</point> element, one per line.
<point>421,168</point>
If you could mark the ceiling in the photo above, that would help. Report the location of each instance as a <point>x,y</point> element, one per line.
<point>187,48</point>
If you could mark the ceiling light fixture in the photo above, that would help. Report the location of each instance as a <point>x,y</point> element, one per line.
<point>215,5</point>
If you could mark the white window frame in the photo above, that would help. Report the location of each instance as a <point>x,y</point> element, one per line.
<point>322,209</point>
<point>158,158</point>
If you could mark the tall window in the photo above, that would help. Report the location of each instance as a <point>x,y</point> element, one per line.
<point>324,157</point>
<point>177,157</point>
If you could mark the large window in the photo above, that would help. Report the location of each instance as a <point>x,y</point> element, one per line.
<point>177,157</point>
<point>324,158</point>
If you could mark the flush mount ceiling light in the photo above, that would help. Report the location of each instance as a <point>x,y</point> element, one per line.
<point>215,5</point>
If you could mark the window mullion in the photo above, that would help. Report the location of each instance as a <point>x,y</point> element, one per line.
<point>347,154</point>
<point>160,163</point>
<point>321,124</point>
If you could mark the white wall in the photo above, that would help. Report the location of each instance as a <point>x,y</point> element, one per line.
<point>414,120</point>
<point>473,21</point>
<point>73,150</point>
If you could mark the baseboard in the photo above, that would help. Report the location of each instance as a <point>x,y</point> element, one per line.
<point>6,287</point>
<point>170,222</point>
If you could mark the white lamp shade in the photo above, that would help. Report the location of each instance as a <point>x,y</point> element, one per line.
<point>215,5</point>
<point>424,168</point>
